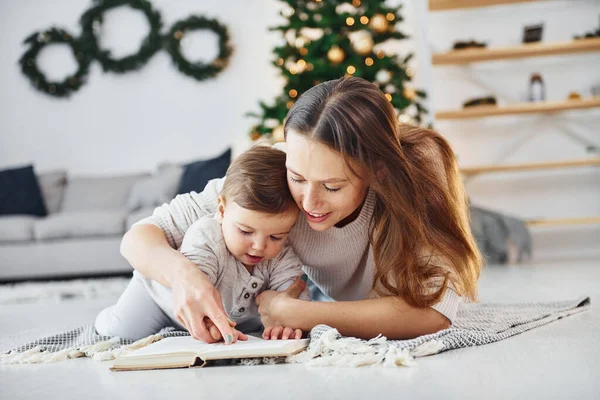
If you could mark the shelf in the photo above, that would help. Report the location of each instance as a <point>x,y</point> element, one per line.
<point>520,108</point>
<point>466,56</point>
<point>438,5</point>
<point>563,221</point>
<point>530,167</point>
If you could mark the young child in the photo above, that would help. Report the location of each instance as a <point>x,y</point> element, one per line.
<point>242,249</point>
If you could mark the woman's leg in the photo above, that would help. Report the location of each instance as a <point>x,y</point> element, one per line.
<point>135,315</point>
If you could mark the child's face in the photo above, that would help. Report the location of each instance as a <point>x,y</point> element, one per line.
<point>252,236</point>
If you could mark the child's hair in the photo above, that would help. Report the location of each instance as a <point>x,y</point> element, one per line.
<point>257,181</point>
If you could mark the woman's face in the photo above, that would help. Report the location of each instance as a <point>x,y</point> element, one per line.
<point>323,186</point>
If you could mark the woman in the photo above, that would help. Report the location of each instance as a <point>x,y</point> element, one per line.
<point>384,230</point>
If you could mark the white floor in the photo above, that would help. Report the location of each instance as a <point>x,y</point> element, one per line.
<point>559,360</point>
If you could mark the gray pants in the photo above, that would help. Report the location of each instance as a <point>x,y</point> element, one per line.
<point>135,315</point>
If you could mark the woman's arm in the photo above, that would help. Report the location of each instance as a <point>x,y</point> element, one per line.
<point>146,248</point>
<point>389,316</point>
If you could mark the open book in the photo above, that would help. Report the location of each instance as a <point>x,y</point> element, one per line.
<point>183,352</point>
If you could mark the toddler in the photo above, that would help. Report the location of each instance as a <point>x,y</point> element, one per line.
<point>242,249</point>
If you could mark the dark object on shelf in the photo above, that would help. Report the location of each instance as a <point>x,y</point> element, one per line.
<point>589,35</point>
<point>574,96</point>
<point>480,101</point>
<point>596,90</point>
<point>537,89</point>
<point>533,33</point>
<point>469,45</point>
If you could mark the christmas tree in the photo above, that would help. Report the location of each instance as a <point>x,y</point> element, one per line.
<point>328,39</point>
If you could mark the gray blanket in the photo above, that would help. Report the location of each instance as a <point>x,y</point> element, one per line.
<point>475,325</point>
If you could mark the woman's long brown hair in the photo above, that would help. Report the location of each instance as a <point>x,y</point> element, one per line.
<point>420,229</point>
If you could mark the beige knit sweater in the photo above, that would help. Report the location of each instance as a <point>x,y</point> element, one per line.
<point>339,260</point>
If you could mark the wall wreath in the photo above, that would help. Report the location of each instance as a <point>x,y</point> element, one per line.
<point>90,25</point>
<point>198,70</point>
<point>37,41</point>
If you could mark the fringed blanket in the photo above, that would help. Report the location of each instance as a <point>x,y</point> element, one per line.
<point>475,325</point>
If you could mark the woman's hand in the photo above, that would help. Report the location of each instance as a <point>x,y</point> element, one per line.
<point>280,332</point>
<point>272,305</point>
<point>216,334</point>
<point>195,301</point>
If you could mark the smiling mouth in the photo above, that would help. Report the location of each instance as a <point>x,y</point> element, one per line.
<point>316,217</point>
<point>254,259</point>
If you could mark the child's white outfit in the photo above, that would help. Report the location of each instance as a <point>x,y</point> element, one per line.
<point>146,306</point>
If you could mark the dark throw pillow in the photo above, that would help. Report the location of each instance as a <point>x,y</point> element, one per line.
<point>20,192</point>
<point>197,174</point>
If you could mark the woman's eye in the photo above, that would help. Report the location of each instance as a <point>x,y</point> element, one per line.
<point>243,232</point>
<point>275,238</point>
<point>296,180</point>
<point>332,190</point>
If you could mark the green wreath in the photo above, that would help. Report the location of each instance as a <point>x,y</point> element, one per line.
<point>37,41</point>
<point>91,20</point>
<point>198,70</point>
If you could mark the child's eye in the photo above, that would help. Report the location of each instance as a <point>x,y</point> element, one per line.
<point>275,238</point>
<point>243,232</point>
<point>332,190</point>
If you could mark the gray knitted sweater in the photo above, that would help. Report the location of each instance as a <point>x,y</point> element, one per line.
<point>339,260</point>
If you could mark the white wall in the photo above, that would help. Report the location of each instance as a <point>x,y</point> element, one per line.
<point>573,192</point>
<point>122,123</point>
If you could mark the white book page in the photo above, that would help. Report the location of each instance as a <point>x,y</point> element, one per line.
<point>187,344</point>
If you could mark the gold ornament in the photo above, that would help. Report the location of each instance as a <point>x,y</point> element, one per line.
<point>388,96</point>
<point>363,45</point>
<point>278,134</point>
<point>293,93</point>
<point>178,35</point>
<point>390,16</point>
<point>409,93</point>
<point>350,69</point>
<point>356,3</point>
<point>254,135</point>
<point>379,23</point>
<point>303,51</point>
<point>369,61</point>
<point>349,21</point>
<point>289,104</point>
<point>364,20</point>
<point>336,55</point>
<point>280,62</point>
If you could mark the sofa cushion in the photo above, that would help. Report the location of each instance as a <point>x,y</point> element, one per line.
<point>20,192</point>
<point>80,224</point>
<point>157,189</point>
<point>98,193</point>
<point>52,184</point>
<point>138,215</point>
<point>16,228</point>
<point>197,174</point>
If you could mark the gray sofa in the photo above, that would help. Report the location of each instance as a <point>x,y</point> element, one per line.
<point>87,217</point>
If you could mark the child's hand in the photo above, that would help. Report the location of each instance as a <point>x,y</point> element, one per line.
<point>279,332</point>
<point>216,334</point>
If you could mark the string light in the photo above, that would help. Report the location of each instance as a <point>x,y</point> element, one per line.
<point>369,61</point>
<point>310,67</point>
<point>289,104</point>
<point>350,21</point>
<point>380,54</point>
<point>388,96</point>
<point>351,69</point>
<point>390,16</point>
<point>293,70</point>
<point>356,3</point>
<point>293,93</point>
<point>301,64</point>
<point>364,20</point>
<point>280,62</point>
<point>304,51</point>
<point>409,72</point>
